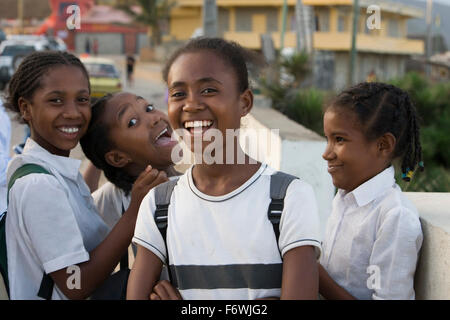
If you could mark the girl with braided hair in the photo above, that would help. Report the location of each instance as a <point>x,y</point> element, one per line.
<point>126,134</point>
<point>54,235</point>
<point>373,235</point>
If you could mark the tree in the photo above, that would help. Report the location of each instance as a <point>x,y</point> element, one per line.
<point>152,13</point>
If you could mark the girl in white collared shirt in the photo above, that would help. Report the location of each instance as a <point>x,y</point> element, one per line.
<point>52,224</point>
<point>373,236</point>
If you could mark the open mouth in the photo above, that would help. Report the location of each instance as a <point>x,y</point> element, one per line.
<point>164,138</point>
<point>198,126</point>
<point>69,131</point>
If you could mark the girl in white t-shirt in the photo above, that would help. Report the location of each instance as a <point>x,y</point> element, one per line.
<point>126,135</point>
<point>221,244</point>
<point>52,226</point>
<point>373,236</point>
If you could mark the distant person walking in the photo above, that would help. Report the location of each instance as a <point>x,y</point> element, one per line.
<point>87,46</point>
<point>130,69</point>
<point>95,47</point>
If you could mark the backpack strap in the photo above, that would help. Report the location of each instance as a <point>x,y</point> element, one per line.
<point>279,182</point>
<point>163,193</point>
<point>47,284</point>
<point>124,265</point>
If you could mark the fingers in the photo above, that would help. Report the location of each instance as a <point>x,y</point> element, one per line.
<point>151,177</point>
<point>164,290</point>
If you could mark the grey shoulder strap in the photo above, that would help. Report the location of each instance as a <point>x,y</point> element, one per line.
<point>279,182</point>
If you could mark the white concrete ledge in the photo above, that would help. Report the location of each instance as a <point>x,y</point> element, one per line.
<point>432,280</point>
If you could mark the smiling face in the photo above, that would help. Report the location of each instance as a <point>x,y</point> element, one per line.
<point>59,111</point>
<point>139,133</point>
<point>203,94</point>
<point>352,159</point>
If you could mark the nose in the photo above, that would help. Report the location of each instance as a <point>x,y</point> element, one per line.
<point>328,154</point>
<point>193,104</point>
<point>153,118</point>
<point>71,111</point>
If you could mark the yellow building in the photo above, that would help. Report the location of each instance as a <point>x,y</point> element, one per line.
<point>381,51</point>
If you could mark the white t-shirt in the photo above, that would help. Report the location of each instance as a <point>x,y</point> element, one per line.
<point>224,247</point>
<point>52,222</point>
<point>110,201</point>
<point>372,240</point>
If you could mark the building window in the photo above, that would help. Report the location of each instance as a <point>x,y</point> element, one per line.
<point>393,28</point>
<point>322,20</point>
<point>343,20</point>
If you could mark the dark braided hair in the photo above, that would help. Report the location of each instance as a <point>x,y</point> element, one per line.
<point>230,52</point>
<point>27,78</point>
<point>96,143</point>
<point>383,108</point>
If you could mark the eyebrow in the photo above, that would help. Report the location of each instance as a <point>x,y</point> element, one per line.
<point>202,80</point>
<point>122,110</point>
<point>63,92</point>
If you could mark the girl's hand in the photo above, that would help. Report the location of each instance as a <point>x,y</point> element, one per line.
<point>163,290</point>
<point>147,180</point>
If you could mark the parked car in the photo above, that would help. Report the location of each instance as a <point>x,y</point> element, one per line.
<point>13,51</point>
<point>104,76</point>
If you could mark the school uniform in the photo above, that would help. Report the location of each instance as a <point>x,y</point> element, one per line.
<point>372,240</point>
<point>224,247</point>
<point>5,138</point>
<point>52,222</point>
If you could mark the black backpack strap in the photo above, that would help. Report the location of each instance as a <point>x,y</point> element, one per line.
<point>279,182</point>
<point>46,288</point>
<point>124,260</point>
<point>163,192</point>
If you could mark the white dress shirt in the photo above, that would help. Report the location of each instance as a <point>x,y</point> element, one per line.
<point>52,222</point>
<point>5,138</point>
<point>372,240</point>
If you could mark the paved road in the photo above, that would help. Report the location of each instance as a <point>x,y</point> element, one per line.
<point>148,84</point>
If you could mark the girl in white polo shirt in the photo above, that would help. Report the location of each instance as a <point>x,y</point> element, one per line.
<point>52,226</point>
<point>373,236</point>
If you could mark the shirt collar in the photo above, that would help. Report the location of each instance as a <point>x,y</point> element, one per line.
<point>65,166</point>
<point>371,189</point>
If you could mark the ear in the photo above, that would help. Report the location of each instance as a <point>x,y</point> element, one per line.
<point>386,144</point>
<point>117,158</point>
<point>246,102</point>
<point>25,109</point>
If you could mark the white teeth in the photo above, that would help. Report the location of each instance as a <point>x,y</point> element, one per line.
<point>197,124</point>
<point>69,130</point>
<point>162,132</point>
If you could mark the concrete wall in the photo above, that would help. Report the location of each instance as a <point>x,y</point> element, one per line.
<point>108,43</point>
<point>432,280</point>
<point>294,150</point>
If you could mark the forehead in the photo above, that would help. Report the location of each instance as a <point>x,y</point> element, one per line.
<point>199,64</point>
<point>342,119</point>
<point>57,79</point>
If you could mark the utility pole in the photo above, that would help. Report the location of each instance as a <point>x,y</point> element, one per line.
<point>20,15</point>
<point>283,25</point>
<point>353,52</point>
<point>429,46</point>
<point>304,16</point>
<point>209,14</point>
